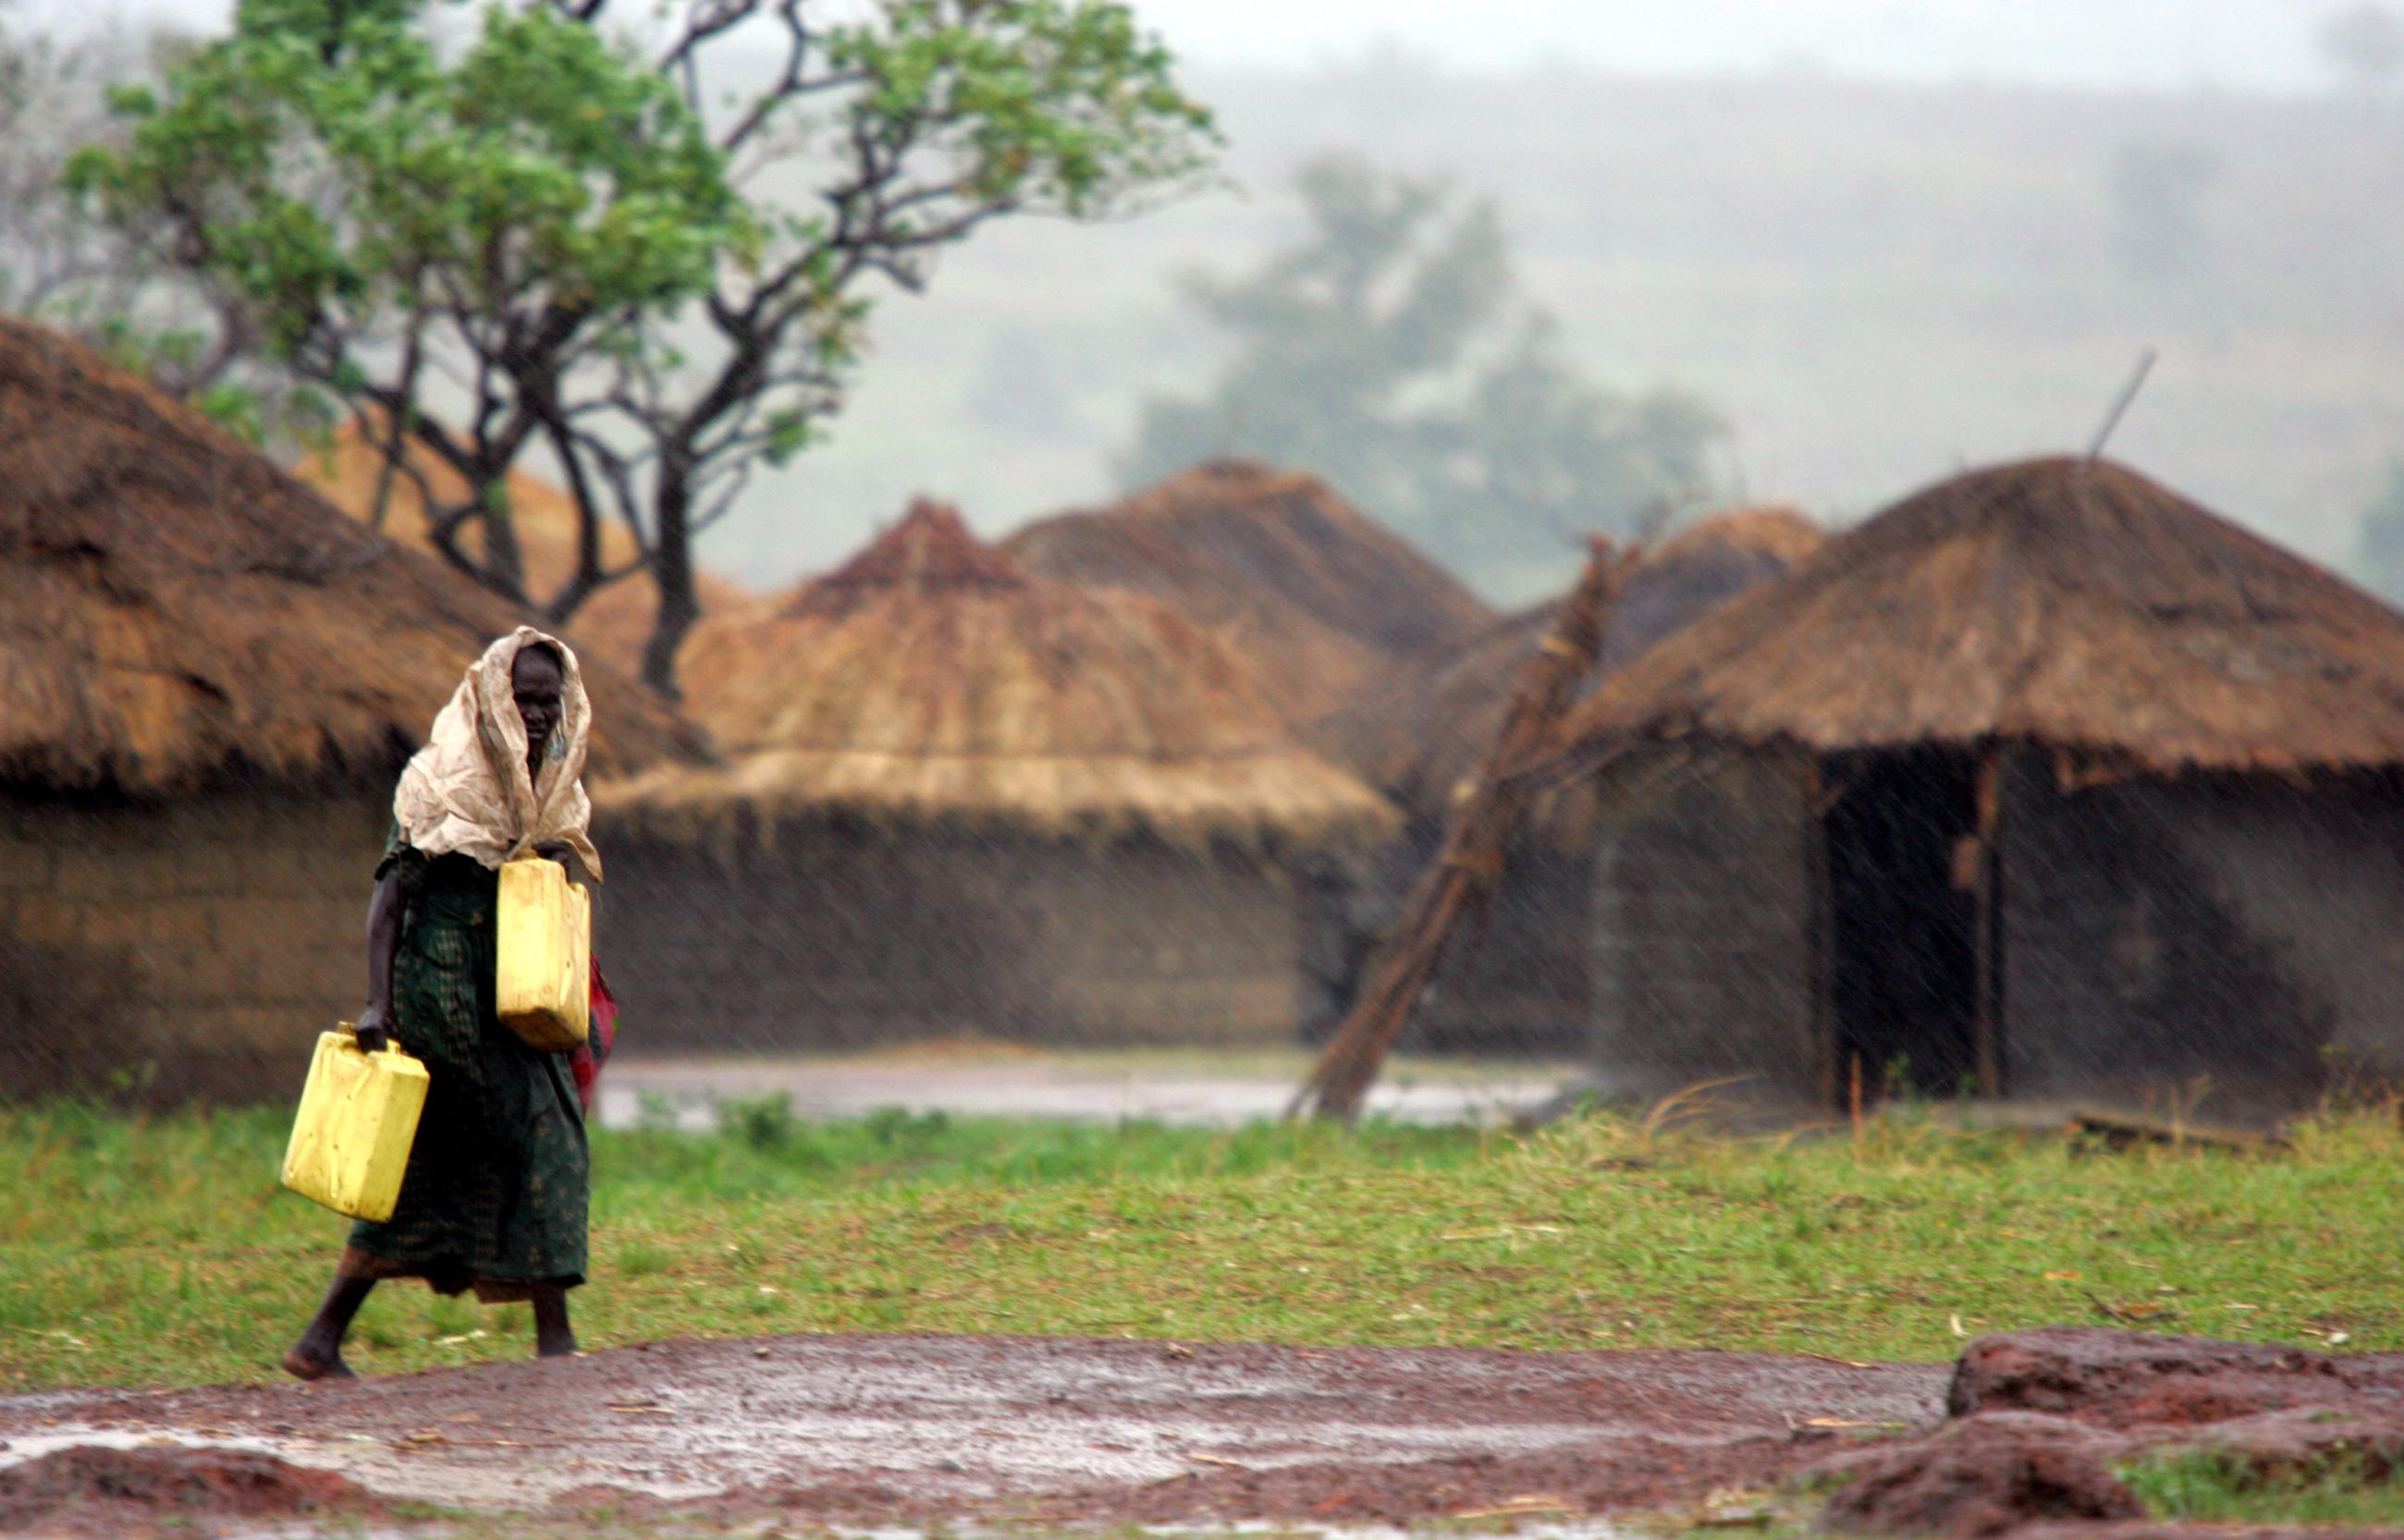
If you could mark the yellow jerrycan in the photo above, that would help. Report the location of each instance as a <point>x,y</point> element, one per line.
<point>358,1117</point>
<point>543,933</point>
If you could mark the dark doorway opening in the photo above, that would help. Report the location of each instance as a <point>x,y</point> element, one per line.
<point>1903,911</point>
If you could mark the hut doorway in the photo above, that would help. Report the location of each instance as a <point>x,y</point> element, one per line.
<point>1904,963</point>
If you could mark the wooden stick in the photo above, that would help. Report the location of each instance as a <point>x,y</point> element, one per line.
<point>2120,405</point>
<point>1460,881</point>
<point>1987,935</point>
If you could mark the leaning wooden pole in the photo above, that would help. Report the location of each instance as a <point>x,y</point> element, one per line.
<point>1460,881</point>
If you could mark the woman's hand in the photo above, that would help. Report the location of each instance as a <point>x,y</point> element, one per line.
<point>373,1027</point>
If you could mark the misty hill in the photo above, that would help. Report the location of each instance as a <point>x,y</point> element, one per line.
<point>1875,284</point>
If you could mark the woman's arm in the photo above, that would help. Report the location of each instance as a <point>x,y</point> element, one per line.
<point>384,914</point>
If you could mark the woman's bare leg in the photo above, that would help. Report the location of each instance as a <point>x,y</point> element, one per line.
<point>552,1338</point>
<point>318,1355</point>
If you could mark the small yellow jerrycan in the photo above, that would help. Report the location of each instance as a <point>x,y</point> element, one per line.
<point>358,1117</point>
<point>543,934</point>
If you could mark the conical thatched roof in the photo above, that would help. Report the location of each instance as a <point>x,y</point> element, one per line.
<point>1703,567</point>
<point>1318,597</point>
<point>614,624</point>
<point>174,609</point>
<point>1423,739</point>
<point>932,680</point>
<point>2083,607</point>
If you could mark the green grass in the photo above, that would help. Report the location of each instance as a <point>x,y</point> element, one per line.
<point>159,1251</point>
<point>2208,1487</point>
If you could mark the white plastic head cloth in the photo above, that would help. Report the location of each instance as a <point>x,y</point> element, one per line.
<point>468,790</point>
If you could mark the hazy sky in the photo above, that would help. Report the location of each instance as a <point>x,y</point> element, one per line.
<point>2246,45</point>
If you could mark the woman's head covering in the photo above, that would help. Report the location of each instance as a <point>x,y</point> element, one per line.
<point>468,790</point>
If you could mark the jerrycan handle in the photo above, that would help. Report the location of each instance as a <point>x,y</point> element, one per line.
<point>351,1030</point>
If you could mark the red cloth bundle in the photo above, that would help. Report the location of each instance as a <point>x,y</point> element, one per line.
<point>585,1063</point>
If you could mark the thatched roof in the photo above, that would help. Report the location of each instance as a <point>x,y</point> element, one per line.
<point>1703,567</point>
<point>1422,740</point>
<point>1320,598</point>
<point>934,681</point>
<point>613,624</point>
<point>174,609</point>
<point>2083,607</point>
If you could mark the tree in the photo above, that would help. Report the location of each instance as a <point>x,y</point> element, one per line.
<point>548,233</point>
<point>1384,350</point>
<point>2379,543</point>
<point>69,271</point>
<point>2364,41</point>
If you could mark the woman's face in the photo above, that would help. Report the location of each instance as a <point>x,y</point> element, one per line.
<point>540,686</point>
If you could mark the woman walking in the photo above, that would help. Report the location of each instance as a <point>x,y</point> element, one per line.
<point>494,1199</point>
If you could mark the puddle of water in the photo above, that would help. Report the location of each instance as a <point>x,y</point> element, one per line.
<point>504,1482</point>
<point>691,1091</point>
<point>501,1479</point>
<point>676,1459</point>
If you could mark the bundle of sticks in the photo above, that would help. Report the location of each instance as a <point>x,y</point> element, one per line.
<point>1453,895</point>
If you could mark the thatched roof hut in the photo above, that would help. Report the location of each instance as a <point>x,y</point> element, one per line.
<point>208,680</point>
<point>174,609</point>
<point>614,624</point>
<point>2046,780</point>
<point>963,797</point>
<point>1320,598</point>
<point>933,679</point>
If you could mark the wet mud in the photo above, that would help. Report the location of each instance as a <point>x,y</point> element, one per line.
<point>880,1430</point>
<point>2040,1424</point>
<point>2024,1437</point>
<point>100,1491</point>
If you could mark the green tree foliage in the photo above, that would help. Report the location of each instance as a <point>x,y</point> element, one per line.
<point>1385,351</point>
<point>2379,543</point>
<point>543,236</point>
<point>114,289</point>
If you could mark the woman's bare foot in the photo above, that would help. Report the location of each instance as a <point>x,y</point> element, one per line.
<point>318,1355</point>
<point>304,1363</point>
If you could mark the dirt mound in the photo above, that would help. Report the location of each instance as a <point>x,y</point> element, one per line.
<point>2123,1379</point>
<point>113,1491</point>
<point>2041,1419</point>
<point>1987,1475</point>
<point>2145,1529</point>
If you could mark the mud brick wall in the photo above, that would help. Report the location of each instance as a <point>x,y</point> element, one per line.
<point>839,939</point>
<point>190,950</point>
<point>1522,983</point>
<point>1701,933</point>
<point>2157,932</point>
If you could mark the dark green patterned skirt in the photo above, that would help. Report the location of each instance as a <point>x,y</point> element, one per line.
<point>498,1180</point>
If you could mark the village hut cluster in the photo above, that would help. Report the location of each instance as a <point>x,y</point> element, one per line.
<point>2045,784</point>
<point>961,798</point>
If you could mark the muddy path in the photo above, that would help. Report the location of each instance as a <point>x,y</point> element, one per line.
<point>880,1429</point>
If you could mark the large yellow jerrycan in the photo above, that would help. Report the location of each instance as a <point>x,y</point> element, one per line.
<point>358,1117</point>
<point>543,932</point>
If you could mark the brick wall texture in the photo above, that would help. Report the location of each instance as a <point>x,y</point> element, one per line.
<point>2245,935</point>
<point>839,939</point>
<point>193,950</point>
<point>1701,934</point>
<point>2238,936</point>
